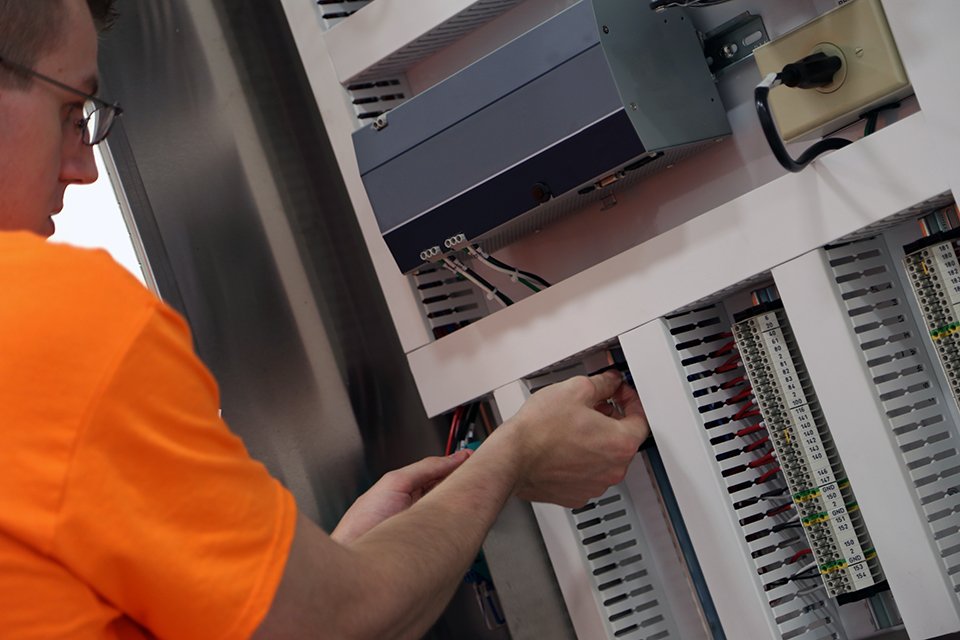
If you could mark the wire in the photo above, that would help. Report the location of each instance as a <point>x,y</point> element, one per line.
<point>766,477</point>
<point>660,5</point>
<point>468,274</point>
<point>873,117</point>
<point>798,555</point>
<point>485,418</point>
<point>761,96</point>
<point>530,280</point>
<point>798,575</point>
<point>454,425</point>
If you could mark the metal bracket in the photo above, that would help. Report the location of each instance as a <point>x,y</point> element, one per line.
<point>733,41</point>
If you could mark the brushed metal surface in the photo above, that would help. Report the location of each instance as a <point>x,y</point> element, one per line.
<point>246,222</point>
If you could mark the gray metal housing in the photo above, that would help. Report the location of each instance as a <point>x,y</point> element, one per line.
<point>601,89</point>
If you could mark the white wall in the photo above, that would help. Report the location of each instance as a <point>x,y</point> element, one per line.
<point>91,218</point>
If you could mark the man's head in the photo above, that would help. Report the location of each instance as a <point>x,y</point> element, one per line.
<point>41,150</point>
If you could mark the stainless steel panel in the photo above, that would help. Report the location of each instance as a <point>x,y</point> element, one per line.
<point>239,202</point>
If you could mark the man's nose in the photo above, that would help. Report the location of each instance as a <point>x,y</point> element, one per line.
<point>79,165</point>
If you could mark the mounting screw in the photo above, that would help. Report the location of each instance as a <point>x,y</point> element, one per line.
<point>729,50</point>
<point>541,192</point>
<point>633,105</point>
<point>606,29</point>
<point>859,52</point>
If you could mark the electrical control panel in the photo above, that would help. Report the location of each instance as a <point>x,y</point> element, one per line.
<point>803,448</point>
<point>497,150</point>
<point>786,332</point>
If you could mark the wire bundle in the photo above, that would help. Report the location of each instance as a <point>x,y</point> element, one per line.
<point>470,275</point>
<point>530,280</point>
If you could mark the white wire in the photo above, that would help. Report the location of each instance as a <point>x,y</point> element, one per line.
<point>805,568</point>
<point>491,294</point>
<point>514,274</point>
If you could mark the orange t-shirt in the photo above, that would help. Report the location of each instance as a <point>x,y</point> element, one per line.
<point>127,508</point>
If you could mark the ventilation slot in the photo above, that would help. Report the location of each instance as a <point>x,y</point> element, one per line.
<point>333,12</point>
<point>906,386</point>
<point>618,561</point>
<point>448,302</point>
<point>758,492</point>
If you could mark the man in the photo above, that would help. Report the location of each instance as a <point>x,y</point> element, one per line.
<point>127,509</point>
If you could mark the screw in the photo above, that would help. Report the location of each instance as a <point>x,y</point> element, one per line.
<point>606,29</point>
<point>859,52</point>
<point>633,105</point>
<point>729,50</point>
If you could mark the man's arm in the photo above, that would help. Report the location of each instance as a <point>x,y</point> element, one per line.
<point>394,580</point>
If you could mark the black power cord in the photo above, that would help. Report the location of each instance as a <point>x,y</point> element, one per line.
<point>816,70</point>
<point>661,5</point>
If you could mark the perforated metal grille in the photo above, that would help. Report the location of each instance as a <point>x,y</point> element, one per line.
<point>375,97</point>
<point>333,11</point>
<point>758,495</point>
<point>625,585</point>
<point>909,391</point>
<point>448,302</point>
<point>471,18</point>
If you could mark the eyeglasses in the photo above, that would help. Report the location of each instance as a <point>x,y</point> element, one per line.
<point>99,116</point>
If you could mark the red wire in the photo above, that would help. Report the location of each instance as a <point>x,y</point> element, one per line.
<point>778,510</point>
<point>745,411</point>
<point>732,383</point>
<point>724,349</point>
<point>753,446</point>
<point>759,462</point>
<point>729,365</point>
<point>769,474</point>
<point>798,555</point>
<point>740,397</point>
<point>751,429</point>
<point>453,429</point>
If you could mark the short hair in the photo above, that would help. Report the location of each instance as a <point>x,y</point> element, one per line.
<point>30,28</point>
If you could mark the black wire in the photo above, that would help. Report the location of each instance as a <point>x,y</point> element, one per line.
<point>490,287</point>
<point>813,571</point>
<point>469,417</point>
<point>761,97</point>
<point>666,4</point>
<point>525,274</point>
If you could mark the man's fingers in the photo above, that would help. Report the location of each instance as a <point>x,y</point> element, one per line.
<point>425,473</point>
<point>604,386</point>
<point>637,426</point>
<point>628,400</point>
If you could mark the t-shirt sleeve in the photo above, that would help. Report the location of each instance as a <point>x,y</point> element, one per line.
<point>164,513</point>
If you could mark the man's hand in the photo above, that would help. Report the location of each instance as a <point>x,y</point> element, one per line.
<point>577,438</point>
<point>394,493</point>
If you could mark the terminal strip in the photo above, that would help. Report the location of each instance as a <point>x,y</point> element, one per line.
<point>934,272</point>
<point>824,502</point>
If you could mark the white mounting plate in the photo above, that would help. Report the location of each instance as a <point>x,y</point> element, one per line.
<point>841,193</point>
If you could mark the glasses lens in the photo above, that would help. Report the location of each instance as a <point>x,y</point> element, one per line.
<point>99,122</point>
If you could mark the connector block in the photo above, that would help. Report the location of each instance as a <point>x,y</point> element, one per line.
<point>934,270</point>
<point>822,497</point>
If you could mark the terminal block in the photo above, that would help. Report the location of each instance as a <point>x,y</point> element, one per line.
<point>933,267</point>
<point>822,497</point>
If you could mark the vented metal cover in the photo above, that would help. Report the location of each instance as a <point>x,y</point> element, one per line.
<point>333,12</point>
<point>471,18</point>
<point>911,394</point>
<point>448,301</point>
<point>798,610</point>
<point>626,586</point>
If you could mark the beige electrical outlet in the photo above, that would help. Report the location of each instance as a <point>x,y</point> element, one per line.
<point>872,72</point>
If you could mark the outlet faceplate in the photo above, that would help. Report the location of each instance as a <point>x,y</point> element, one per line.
<point>872,72</point>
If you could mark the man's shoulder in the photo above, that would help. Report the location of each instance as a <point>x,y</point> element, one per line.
<point>66,292</point>
<point>58,273</point>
